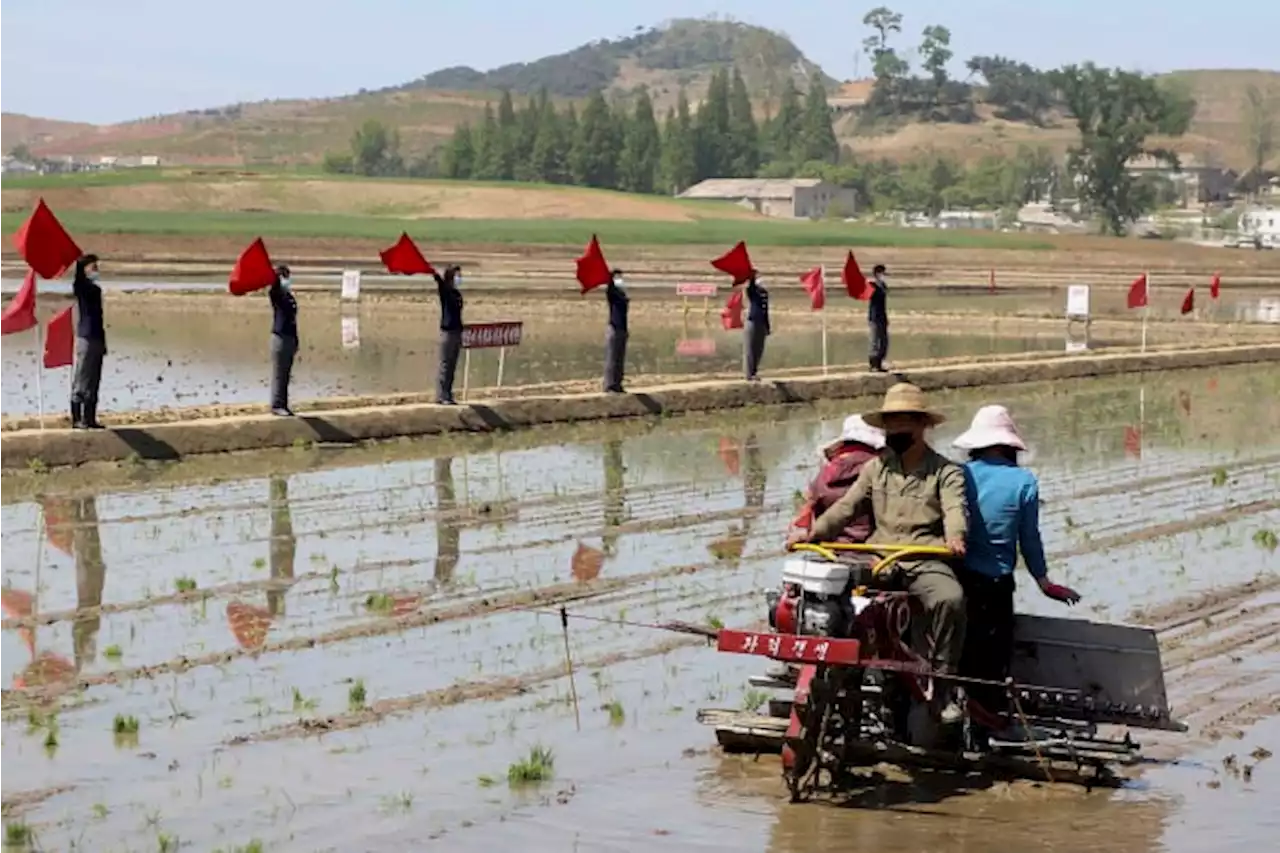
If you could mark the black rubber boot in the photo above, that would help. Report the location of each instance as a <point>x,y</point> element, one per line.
<point>77,415</point>
<point>91,415</point>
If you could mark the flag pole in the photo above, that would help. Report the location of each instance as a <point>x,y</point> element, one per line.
<point>823,314</point>
<point>1146,306</point>
<point>466,372</point>
<point>40,372</point>
<point>502,363</point>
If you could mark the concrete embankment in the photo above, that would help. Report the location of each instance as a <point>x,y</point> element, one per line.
<point>173,440</point>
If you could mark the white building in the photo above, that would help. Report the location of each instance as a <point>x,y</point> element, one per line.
<point>793,198</point>
<point>1262,222</point>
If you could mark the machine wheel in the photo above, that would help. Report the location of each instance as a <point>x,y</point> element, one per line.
<point>800,755</point>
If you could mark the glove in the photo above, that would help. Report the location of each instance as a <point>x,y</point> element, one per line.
<point>1058,592</point>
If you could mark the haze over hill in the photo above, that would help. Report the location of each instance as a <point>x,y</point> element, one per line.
<point>681,55</point>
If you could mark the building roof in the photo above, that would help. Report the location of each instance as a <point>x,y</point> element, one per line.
<point>735,188</point>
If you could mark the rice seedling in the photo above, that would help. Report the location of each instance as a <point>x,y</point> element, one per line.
<point>379,602</point>
<point>125,725</point>
<point>17,835</point>
<point>753,700</point>
<point>356,695</point>
<point>537,766</point>
<point>185,585</point>
<point>112,652</point>
<point>617,714</point>
<point>302,703</point>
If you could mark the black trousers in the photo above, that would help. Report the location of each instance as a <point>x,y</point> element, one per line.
<point>989,641</point>
<point>755,333</point>
<point>88,370</point>
<point>879,344</point>
<point>450,347</point>
<point>283,350</point>
<point>615,358</point>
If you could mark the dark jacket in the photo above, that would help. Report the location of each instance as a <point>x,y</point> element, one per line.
<point>877,307</point>
<point>89,324</point>
<point>758,305</point>
<point>619,302</point>
<point>834,480</point>
<point>284,310</point>
<point>450,306</point>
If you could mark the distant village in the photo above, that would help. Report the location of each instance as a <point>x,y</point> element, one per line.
<point>64,164</point>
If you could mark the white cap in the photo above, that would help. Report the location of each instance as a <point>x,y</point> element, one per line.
<point>855,429</point>
<point>992,426</point>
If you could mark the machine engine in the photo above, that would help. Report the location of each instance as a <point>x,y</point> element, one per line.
<point>815,597</point>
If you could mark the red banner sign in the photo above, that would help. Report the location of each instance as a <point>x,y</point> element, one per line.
<point>790,647</point>
<point>491,335</point>
<point>696,347</point>
<point>696,288</point>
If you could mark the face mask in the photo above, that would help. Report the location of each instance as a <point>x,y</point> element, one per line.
<point>899,442</point>
<point>880,280</point>
<point>92,275</point>
<point>286,283</point>
<point>617,282</point>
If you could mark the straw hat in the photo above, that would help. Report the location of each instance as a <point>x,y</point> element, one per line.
<point>855,429</point>
<point>903,399</point>
<point>992,426</point>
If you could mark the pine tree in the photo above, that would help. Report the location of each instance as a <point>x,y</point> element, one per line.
<point>594,158</point>
<point>460,155</point>
<point>712,129</point>
<point>528,121</point>
<point>744,136</point>
<point>551,149</point>
<point>679,149</point>
<point>486,146</point>
<point>641,149</point>
<point>783,133</point>
<point>817,136</point>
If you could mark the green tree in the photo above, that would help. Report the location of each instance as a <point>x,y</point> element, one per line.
<point>641,150</point>
<point>817,135</point>
<point>712,129</point>
<point>935,53</point>
<point>783,131</point>
<point>335,163</point>
<point>1115,112</point>
<point>679,149</point>
<point>1259,115</point>
<point>593,161</point>
<point>549,160</point>
<point>21,152</point>
<point>487,141</point>
<point>528,121</point>
<point>460,155</point>
<point>890,70</point>
<point>744,135</point>
<point>375,149</point>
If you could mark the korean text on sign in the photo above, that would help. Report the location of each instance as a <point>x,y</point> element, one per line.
<point>490,335</point>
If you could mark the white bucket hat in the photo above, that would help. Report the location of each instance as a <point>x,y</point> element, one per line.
<point>855,429</point>
<point>992,426</point>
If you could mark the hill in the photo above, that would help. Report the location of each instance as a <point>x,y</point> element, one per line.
<point>681,54</point>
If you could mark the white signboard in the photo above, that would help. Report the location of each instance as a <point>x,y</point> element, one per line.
<point>351,332</point>
<point>1077,345</point>
<point>351,284</point>
<point>1078,301</point>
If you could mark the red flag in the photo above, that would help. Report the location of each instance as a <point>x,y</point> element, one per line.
<point>20,314</point>
<point>405,259</point>
<point>1138,292</point>
<point>253,270</point>
<point>592,269</point>
<point>1215,286</point>
<point>60,340</point>
<point>731,316</point>
<point>1189,301</point>
<point>44,244</point>
<point>854,281</point>
<point>813,283</point>
<point>1133,441</point>
<point>736,262</point>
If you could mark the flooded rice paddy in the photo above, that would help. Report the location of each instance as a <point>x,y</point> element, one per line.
<point>351,649</point>
<point>164,355</point>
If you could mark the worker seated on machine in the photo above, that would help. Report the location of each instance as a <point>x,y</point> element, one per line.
<point>843,459</point>
<point>1004,519</point>
<point>917,497</point>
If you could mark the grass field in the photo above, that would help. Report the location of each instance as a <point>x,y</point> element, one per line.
<point>524,231</point>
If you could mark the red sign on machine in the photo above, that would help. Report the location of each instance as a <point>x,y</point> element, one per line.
<point>696,288</point>
<point>789,647</point>
<point>696,347</point>
<point>492,335</point>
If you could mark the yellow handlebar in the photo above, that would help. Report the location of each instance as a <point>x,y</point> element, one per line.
<point>827,550</point>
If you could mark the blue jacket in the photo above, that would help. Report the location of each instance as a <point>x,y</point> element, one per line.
<point>1004,516</point>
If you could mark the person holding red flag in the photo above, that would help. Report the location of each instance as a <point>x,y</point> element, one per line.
<point>878,319</point>
<point>284,339</point>
<point>91,344</point>
<point>615,348</point>
<point>448,288</point>
<point>757,328</point>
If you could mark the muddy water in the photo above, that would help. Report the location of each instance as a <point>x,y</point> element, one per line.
<point>162,355</point>
<point>414,574</point>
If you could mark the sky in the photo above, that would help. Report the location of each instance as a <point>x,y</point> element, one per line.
<point>102,62</point>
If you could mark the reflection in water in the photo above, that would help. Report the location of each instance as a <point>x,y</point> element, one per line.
<point>91,573</point>
<point>748,460</point>
<point>448,530</point>
<point>614,495</point>
<point>284,545</point>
